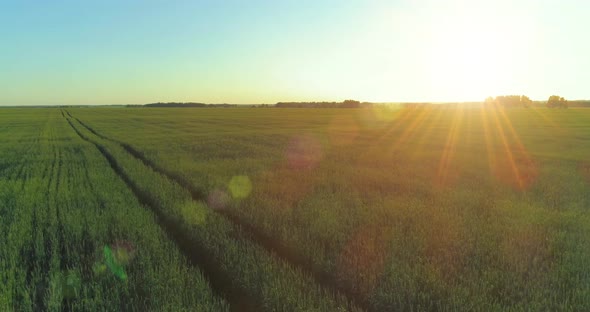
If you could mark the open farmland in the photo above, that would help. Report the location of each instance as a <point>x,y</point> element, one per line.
<point>73,235</point>
<point>379,209</point>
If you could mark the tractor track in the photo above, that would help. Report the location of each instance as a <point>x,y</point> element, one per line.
<point>194,253</point>
<point>271,244</point>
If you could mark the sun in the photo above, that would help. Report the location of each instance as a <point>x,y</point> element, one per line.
<point>471,57</point>
<point>466,62</point>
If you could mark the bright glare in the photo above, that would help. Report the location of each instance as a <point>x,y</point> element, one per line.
<point>469,58</point>
<point>463,51</point>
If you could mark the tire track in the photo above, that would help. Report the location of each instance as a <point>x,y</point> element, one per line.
<point>271,244</point>
<point>220,283</point>
<point>182,181</point>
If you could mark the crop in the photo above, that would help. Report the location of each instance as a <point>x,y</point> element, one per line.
<point>246,273</point>
<point>261,209</point>
<point>74,237</point>
<point>416,208</point>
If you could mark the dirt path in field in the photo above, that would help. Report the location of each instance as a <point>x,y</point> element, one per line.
<point>258,237</point>
<point>195,194</point>
<point>220,283</point>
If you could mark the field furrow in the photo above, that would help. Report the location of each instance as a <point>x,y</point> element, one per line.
<point>195,256</point>
<point>407,208</point>
<point>74,240</point>
<point>266,240</point>
<point>302,291</point>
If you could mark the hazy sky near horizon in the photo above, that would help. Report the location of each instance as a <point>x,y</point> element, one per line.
<point>119,52</point>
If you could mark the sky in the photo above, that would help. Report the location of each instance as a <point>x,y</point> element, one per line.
<point>255,51</point>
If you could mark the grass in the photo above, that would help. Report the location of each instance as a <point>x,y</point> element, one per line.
<point>429,208</point>
<point>241,269</point>
<point>61,210</point>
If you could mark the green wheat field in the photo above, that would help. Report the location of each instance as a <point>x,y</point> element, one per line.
<point>397,208</point>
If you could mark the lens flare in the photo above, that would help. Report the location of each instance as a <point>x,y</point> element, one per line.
<point>304,152</point>
<point>113,265</point>
<point>428,131</point>
<point>117,256</point>
<point>218,200</point>
<point>491,151</point>
<point>194,212</point>
<point>449,150</point>
<point>378,116</point>
<point>413,128</point>
<point>240,186</point>
<point>521,166</point>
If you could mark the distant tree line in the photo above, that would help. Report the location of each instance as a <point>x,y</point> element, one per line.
<point>583,103</point>
<point>344,104</point>
<point>509,101</point>
<point>187,104</point>
<point>554,101</point>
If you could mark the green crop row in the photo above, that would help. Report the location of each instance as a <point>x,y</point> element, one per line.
<point>74,237</point>
<point>406,209</point>
<point>250,275</point>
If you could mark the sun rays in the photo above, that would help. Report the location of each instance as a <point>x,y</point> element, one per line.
<point>450,147</point>
<point>415,124</point>
<point>440,138</point>
<point>514,156</point>
<point>491,154</point>
<point>460,129</point>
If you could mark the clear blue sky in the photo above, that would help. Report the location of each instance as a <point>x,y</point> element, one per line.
<point>107,52</point>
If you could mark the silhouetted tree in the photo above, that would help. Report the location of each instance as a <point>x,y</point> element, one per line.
<point>489,101</point>
<point>525,101</point>
<point>509,101</point>
<point>555,101</point>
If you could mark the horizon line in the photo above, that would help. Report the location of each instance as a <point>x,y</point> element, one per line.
<point>261,103</point>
